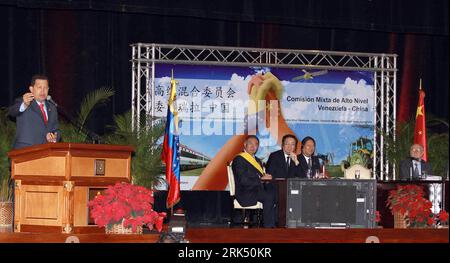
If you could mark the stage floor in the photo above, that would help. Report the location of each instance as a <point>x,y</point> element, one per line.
<point>251,235</point>
<point>304,235</point>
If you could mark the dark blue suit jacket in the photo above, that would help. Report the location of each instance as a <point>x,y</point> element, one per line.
<point>30,126</point>
<point>315,162</point>
<point>277,167</point>
<point>406,166</point>
<point>247,181</point>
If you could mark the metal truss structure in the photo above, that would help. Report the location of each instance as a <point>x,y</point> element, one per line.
<point>383,66</point>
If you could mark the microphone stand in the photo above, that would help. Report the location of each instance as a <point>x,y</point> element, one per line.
<point>95,138</point>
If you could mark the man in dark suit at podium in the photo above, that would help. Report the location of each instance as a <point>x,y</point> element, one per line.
<point>36,118</point>
<point>309,164</point>
<point>414,166</point>
<point>250,178</point>
<point>284,163</point>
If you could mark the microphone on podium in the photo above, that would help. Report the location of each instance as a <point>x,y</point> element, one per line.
<point>92,135</point>
<point>49,99</point>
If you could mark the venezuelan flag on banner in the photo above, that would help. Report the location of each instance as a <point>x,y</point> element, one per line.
<point>170,154</point>
<point>420,131</point>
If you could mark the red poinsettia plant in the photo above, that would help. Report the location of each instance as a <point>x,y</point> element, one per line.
<point>409,201</point>
<point>126,204</point>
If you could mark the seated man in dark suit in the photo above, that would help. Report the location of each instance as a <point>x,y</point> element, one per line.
<point>413,167</point>
<point>284,163</point>
<point>36,119</point>
<point>309,164</point>
<point>250,179</point>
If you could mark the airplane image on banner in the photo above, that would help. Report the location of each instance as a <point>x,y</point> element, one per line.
<point>308,76</point>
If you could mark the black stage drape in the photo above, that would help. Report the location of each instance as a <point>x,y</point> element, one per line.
<point>202,208</point>
<point>84,45</point>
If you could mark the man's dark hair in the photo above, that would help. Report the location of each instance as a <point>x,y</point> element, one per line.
<point>38,76</point>
<point>285,137</point>
<point>252,136</point>
<point>308,138</point>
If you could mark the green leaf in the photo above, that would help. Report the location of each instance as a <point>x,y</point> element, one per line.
<point>71,133</point>
<point>437,143</point>
<point>7,133</point>
<point>146,165</point>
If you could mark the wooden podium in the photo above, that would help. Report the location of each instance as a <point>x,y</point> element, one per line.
<point>53,183</point>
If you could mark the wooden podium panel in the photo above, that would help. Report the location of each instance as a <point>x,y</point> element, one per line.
<point>52,183</point>
<point>40,205</point>
<point>83,166</point>
<point>50,166</point>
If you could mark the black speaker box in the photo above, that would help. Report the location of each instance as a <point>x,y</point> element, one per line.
<point>330,203</point>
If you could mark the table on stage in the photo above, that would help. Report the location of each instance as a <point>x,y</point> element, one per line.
<point>383,188</point>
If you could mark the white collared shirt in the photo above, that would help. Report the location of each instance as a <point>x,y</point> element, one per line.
<point>307,159</point>
<point>286,156</point>
<point>418,164</point>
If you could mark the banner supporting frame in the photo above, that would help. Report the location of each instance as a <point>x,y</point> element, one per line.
<point>384,67</point>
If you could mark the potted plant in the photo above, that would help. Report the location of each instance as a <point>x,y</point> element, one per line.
<point>124,208</point>
<point>146,164</point>
<point>7,132</point>
<point>437,142</point>
<point>74,129</point>
<point>6,206</point>
<point>438,147</point>
<point>411,209</point>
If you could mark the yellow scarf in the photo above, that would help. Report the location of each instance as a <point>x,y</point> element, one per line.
<point>252,161</point>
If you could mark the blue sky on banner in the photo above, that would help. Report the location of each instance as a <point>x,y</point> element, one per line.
<point>336,108</point>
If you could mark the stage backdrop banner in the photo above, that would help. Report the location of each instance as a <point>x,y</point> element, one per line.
<point>336,108</point>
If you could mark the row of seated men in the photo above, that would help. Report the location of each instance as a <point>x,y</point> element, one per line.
<point>253,181</point>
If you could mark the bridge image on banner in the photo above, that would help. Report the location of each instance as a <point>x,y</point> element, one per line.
<point>338,105</point>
